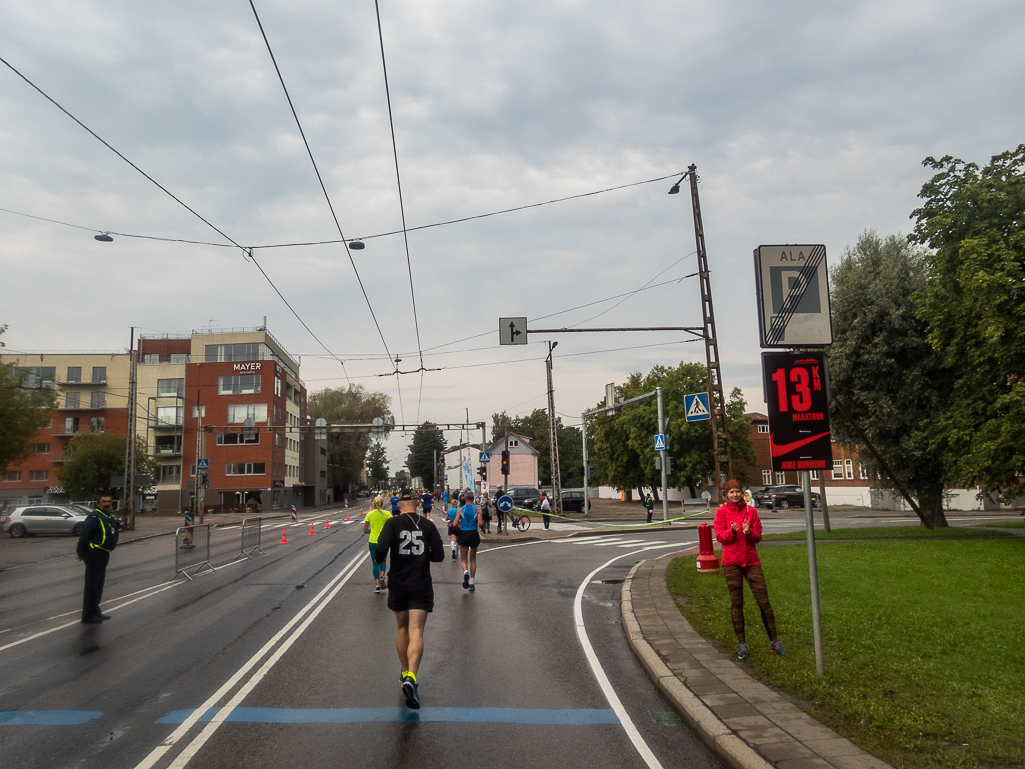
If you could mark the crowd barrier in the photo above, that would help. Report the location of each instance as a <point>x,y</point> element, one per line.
<point>192,549</point>
<point>251,537</point>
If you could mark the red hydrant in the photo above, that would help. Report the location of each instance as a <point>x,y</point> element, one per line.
<point>707,562</point>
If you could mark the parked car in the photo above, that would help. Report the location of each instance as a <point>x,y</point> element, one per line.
<point>45,519</point>
<point>783,497</point>
<point>523,496</point>
<point>573,500</point>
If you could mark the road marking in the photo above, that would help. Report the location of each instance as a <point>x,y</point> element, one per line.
<point>656,542</point>
<point>580,540</point>
<point>47,717</point>
<point>599,672</point>
<point>541,717</point>
<point>313,608</point>
<point>620,542</point>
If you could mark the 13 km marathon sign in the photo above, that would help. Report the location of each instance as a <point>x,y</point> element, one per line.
<point>795,390</point>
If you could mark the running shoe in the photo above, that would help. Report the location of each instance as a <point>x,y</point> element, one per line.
<point>453,555</point>
<point>466,580</point>
<point>777,649</point>
<point>471,588</point>
<point>412,694</point>
<point>742,651</point>
<point>377,588</point>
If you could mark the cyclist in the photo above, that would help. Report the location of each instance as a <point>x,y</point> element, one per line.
<point>412,543</point>
<point>372,525</point>
<point>469,521</point>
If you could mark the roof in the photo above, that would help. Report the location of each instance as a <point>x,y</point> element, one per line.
<point>524,441</point>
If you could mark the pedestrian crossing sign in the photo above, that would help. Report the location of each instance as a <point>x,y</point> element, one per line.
<point>660,442</point>
<point>696,407</point>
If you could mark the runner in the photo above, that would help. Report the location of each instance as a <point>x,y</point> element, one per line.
<point>469,539</point>
<point>372,525</point>
<point>427,504</point>
<point>413,543</point>
<point>739,529</point>
<point>453,528</point>
<point>394,503</point>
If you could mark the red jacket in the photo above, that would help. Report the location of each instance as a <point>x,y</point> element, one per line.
<point>738,549</point>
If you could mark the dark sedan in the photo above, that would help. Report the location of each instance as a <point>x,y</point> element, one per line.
<point>783,497</point>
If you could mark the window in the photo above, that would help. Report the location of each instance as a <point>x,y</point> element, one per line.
<point>39,475</point>
<point>229,352</point>
<point>99,375</point>
<point>781,478</point>
<point>150,358</point>
<point>848,467</point>
<point>98,400</point>
<point>323,473</point>
<point>72,400</point>
<point>277,439</point>
<point>814,475</point>
<point>40,448</point>
<point>240,384</point>
<point>192,471</point>
<point>277,387</point>
<point>862,472</point>
<point>763,428</point>
<point>74,374</point>
<point>38,376</point>
<point>323,451</point>
<point>70,425</point>
<point>167,445</point>
<point>240,412</point>
<point>169,474</point>
<point>12,476</point>
<point>837,469</point>
<point>169,416</point>
<point>179,357</point>
<point>198,412</point>
<point>237,439</point>
<point>96,424</point>
<point>170,388</point>
<point>246,468</point>
<point>766,477</point>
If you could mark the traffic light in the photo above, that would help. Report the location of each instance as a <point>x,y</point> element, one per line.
<point>484,473</point>
<point>505,463</point>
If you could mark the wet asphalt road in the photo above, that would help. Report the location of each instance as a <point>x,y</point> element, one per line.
<point>300,648</point>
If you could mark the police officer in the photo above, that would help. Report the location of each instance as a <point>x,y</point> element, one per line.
<point>649,505</point>
<point>98,540</point>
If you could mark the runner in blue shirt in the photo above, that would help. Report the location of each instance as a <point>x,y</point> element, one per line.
<point>453,529</point>
<point>469,539</point>
<point>394,503</point>
<point>426,504</point>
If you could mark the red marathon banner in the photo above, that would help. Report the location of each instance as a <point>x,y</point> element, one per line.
<point>795,391</point>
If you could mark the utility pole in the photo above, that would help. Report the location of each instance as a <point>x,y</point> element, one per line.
<point>200,474</point>
<point>720,426</point>
<point>553,436</point>
<point>663,456</point>
<point>129,488</point>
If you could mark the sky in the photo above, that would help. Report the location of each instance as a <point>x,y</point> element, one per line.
<point>807,121</point>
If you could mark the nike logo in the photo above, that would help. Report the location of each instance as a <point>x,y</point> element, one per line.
<point>778,451</point>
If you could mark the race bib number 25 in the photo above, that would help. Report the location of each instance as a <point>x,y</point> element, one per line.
<point>411,543</point>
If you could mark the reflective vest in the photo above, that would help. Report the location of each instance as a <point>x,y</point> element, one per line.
<point>105,537</point>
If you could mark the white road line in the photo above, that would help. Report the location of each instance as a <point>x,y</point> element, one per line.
<point>620,542</point>
<point>579,540</point>
<point>158,752</point>
<point>599,672</point>
<point>656,542</point>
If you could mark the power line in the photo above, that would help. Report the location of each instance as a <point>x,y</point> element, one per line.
<point>320,179</point>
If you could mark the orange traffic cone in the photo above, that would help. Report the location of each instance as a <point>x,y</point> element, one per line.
<point>312,532</point>
<point>327,524</point>
<point>347,516</point>
<point>361,511</point>
<point>283,540</point>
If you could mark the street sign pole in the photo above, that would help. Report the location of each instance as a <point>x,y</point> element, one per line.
<point>813,573</point>
<point>665,475</point>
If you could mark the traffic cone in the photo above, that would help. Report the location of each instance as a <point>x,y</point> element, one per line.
<point>283,540</point>
<point>327,524</point>
<point>347,516</point>
<point>361,511</point>
<point>312,532</point>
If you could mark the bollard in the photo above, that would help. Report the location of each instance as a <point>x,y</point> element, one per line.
<point>707,562</point>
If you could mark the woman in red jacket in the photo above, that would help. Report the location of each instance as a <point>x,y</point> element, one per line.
<point>739,529</point>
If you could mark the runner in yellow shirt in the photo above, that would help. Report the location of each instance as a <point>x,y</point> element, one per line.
<point>372,525</point>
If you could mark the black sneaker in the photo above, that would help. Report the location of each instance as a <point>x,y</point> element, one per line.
<point>466,580</point>
<point>410,690</point>
<point>453,555</point>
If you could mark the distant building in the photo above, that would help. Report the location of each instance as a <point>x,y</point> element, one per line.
<point>522,462</point>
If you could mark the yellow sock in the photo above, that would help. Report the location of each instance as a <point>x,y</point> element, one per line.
<point>412,675</point>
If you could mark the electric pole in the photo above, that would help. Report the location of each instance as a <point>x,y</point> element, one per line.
<point>129,489</point>
<point>553,436</point>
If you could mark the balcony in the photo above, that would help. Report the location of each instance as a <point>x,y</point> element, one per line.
<point>62,429</point>
<point>167,451</point>
<point>57,456</point>
<point>169,424</point>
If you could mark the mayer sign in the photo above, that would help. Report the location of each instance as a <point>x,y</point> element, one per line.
<point>795,390</point>
<point>793,296</point>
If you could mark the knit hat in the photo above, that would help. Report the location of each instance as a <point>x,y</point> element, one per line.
<point>730,485</point>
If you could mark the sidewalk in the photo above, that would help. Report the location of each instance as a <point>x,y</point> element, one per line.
<point>748,724</point>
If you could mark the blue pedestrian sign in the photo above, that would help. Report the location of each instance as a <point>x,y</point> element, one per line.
<point>660,442</point>
<point>203,464</point>
<point>485,457</point>
<point>505,504</point>
<point>696,407</point>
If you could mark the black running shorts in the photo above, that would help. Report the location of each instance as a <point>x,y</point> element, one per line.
<point>469,538</point>
<point>406,598</point>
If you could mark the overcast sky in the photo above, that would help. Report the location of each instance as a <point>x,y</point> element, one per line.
<point>808,122</point>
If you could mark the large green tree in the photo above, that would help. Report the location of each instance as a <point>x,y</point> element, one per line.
<point>623,443</point>
<point>427,439</point>
<point>973,219</point>
<point>91,459</point>
<point>25,406</point>
<point>535,426</point>
<point>347,452</point>
<point>883,369</point>
<point>377,465</point>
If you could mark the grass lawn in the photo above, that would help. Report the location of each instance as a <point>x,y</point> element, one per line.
<point>1005,524</point>
<point>923,644</point>
<point>886,532</point>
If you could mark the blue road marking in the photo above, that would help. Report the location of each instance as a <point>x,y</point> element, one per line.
<point>541,717</point>
<point>47,717</point>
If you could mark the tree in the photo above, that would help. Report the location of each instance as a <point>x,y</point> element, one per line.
<point>347,452</point>
<point>974,302</point>
<point>91,459</point>
<point>624,446</point>
<point>377,465</point>
<point>401,478</point>
<point>535,426</point>
<point>427,440</point>
<point>26,406</point>
<point>883,369</point>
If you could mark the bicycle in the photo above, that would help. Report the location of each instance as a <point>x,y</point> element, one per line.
<point>521,522</point>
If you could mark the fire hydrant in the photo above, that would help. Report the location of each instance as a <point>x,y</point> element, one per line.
<point>707,562</point>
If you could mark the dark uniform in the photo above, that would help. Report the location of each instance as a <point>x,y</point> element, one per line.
<point>98,540</point>
<point>412,543</point>
<point>649,505</point>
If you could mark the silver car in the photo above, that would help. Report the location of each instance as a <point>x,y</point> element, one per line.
<point>45,519</point>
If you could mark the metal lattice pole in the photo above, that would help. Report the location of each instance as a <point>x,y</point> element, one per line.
<point>129,489</point>
<point>553,437</point>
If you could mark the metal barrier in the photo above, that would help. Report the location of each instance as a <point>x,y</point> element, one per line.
<point>251,537</point>
<point>191,549</point>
